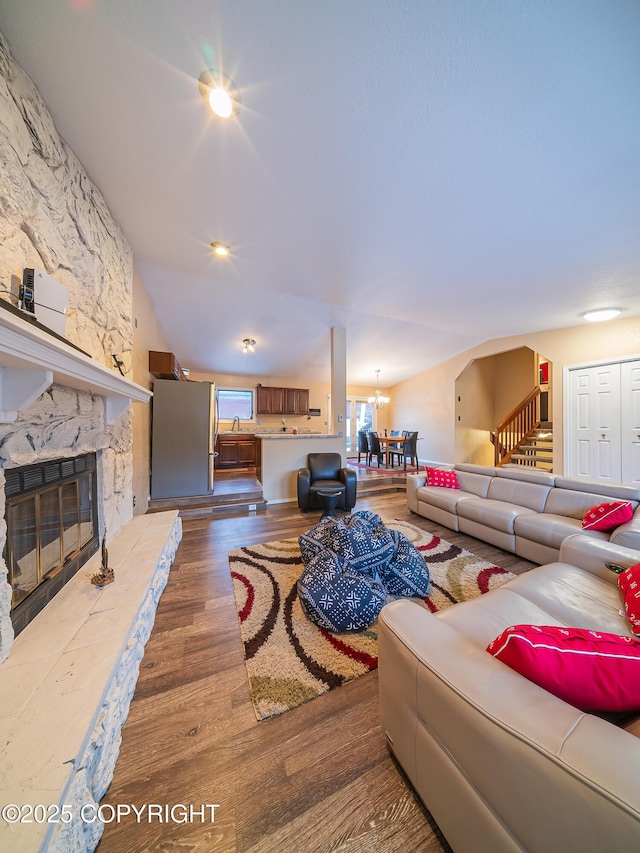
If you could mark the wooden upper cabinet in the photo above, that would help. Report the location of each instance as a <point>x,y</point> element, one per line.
<point>164,365</point>
<point>282,401</point>
<point>303,401</point>
<point>296,401</point>
<point>270,401</point>
<point>263,400</point>
<point>277,401</point>
<point>290,401</point>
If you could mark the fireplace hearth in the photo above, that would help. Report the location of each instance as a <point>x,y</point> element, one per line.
<point>52,530</point>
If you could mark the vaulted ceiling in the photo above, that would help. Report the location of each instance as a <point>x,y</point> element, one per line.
<point>427,174</point>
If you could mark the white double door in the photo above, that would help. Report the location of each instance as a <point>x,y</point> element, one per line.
<point>603,422</point>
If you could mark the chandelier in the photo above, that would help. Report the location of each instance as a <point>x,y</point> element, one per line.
<point>378,401</point>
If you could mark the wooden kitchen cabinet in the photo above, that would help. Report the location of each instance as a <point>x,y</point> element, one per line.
<point>290,401</point>
<point>269,401</point>
<point>303,401</point>
<point>235,451</point>
<point>282,401</point>
<point>164,365</point>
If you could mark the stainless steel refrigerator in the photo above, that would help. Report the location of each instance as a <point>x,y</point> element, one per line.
<point>183,436</point>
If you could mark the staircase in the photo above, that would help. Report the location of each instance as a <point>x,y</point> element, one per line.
<point>536,451</point>
<point>371,487</point>
<point>235,493</point>
<point>521,438</point>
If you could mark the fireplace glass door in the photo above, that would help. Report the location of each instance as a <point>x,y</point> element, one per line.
<point>47,530</point>
<point>24,565</point>
<point>52,529</point>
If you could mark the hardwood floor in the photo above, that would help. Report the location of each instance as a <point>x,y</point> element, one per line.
<point>318,778</point>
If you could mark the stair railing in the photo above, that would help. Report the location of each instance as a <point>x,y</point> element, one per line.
<point>515,428</point>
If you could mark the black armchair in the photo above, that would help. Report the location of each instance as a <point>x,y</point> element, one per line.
<point>324,471</point>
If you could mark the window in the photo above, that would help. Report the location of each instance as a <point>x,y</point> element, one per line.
<point>235,402</point>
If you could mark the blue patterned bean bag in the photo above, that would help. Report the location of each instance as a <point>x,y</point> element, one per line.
<point>365,547</point>
<point>406,574</point>
<point>317,539</point>
<point>338,599</point>
<point>358,557</point>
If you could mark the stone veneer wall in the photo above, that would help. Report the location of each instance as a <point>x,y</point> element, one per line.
<point>54,219</point>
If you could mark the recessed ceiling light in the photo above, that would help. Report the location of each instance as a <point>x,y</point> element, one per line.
<point>601,314</point>
<point>220,93</point>
<point>221,250</point>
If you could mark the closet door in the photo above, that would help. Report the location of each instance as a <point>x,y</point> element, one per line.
<point>630,422</point>
<point>594,423</point>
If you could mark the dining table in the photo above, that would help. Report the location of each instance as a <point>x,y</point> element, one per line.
<point>389,442</point>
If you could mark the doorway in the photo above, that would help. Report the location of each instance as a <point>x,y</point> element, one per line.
<point>489,390</point>
<point>359,416</point>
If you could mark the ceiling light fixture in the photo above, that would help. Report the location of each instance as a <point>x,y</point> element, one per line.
<point>601,314</point>
<point>221,250</point>
<point>249,345</point>
<point>220,93</point>
<point>378,401</point>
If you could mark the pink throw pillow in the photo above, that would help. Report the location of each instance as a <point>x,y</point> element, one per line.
<point>443,479</point>
<point>629,585</point>
<point>607,516</point>
<point>591,670</point>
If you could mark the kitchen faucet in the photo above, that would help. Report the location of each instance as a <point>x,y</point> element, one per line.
<point>236,422</point>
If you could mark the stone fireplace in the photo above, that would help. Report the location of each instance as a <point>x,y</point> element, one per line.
<point>88,416</point>
<point>65,435</point>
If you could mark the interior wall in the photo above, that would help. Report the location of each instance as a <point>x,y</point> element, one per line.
<point>514,375</point>
<point>474,412</point>
<point>428,399</point>
<point>147,335</point>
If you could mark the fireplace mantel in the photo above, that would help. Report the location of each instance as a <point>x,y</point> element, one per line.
<point>31,360</point>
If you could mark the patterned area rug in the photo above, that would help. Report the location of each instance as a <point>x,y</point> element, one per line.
<point>290,659</point>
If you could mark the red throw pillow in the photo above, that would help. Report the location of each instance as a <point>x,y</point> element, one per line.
<point>629,584</point>
<point>589,669</point>
<point>607,516</point>
<point>444,479</point>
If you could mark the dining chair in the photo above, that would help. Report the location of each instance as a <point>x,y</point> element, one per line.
<point>409,449</point>
<point>363,446</point>
<point>374,447</point>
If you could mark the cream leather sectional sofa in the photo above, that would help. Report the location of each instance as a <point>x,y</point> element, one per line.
<point>522,510</point>
<point>502,764</point>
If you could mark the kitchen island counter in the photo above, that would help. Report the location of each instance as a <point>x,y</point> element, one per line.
<point>278,460</point>
<point>276,435</point>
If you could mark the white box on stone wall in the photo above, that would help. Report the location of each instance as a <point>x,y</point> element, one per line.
<point>46,298</point>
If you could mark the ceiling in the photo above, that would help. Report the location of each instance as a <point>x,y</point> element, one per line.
<point>427,174</point>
